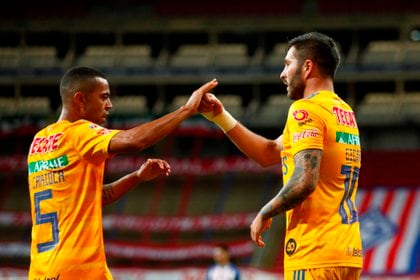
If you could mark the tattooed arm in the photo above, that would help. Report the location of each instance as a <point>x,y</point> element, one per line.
<point>301,184</point>
<point>147,171</point>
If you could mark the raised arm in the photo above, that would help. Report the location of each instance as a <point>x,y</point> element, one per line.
<point>147,134</point>
<point>149,170</point>
<point>265,152</point>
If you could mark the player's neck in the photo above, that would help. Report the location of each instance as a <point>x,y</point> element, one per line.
<point>68,116</point>
<point>318,84</point>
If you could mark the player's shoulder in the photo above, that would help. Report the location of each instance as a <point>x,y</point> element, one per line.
<point>304,104</point>
<point>81,125</point>
<point>316,100</point>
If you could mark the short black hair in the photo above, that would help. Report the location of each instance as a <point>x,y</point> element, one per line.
<point>319,48</point>
<point>223,246</point>
<point>78,78</point>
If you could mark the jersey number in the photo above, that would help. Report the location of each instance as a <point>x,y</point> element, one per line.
<point>349,184</point>
<point>47,218</point>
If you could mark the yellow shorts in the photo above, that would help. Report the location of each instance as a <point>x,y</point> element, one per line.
<point>324,273</point>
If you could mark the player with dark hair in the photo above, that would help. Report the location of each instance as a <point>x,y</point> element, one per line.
<point>321,157</point>
<point>223,268</point>
<point>66,163</point>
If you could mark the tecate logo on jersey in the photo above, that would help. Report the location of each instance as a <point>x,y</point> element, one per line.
<point>42,145</point>
<point>344,117</point>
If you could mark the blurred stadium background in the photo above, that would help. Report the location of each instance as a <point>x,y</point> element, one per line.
<point>155,53</point>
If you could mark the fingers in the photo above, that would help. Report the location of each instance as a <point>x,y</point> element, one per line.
<point>260,243</point>
<point>257,239</point>
<point>209,97</point>
<point>163,166</point>
<point>153,168</point>
<point>258,226</point>
<point>208,86</point>
<point>205,105</point>
<point>195,99</point>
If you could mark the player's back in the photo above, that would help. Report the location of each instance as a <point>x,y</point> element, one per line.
<point>65,181</point>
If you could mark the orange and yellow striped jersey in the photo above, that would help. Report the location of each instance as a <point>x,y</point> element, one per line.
<point>65,174</point>
<point>323,231</point>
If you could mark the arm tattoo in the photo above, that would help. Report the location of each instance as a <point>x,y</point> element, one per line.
<point>301,184</point>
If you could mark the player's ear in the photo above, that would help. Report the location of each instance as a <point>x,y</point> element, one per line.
<point>307,67</point>
<point>308,64</point>
<point>79,100</point>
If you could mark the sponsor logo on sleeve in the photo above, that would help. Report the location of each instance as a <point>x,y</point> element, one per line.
<point>307,133</point>
<point>300,115</point>
<point>99,130</point>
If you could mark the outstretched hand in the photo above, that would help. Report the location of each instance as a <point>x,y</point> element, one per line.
<point>195,99</point>
<point>153,168</point>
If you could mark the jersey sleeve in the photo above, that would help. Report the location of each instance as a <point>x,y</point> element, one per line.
<point>306,126</point>
<point>92,140</point>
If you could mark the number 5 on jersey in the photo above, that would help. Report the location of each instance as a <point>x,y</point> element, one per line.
<point>47,218</point>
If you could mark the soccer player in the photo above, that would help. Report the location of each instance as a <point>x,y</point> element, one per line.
<point>320,155</point>
<point>66,165</point>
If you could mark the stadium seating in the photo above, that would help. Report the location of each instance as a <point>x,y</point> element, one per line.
<point>410,107</point>
<point>40,57</point>
<point>271,113</point>
<point>135,56</point>
<point>102,57</point>
<point>191,56</point>
<point>129,105</point>
<point>275,58</point>
<point>8,106</point>
<point>34,106</point>
<point>231,56</point>
<point>9,57</point>
<point>379,109</point>
<point>382,55</point>
<point>411,55</point>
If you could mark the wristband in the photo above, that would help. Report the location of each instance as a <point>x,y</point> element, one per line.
<point>223,120</point>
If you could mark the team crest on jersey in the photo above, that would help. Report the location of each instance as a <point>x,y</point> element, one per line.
<point>290,247</point>
<point>99,129</point>
<point>300,115</point>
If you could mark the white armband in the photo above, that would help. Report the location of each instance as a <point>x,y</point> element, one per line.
<point>223,120</point>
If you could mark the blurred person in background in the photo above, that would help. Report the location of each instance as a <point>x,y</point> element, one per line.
<point>66,163</point>
<point>321,157</point>
<point>223,268</point>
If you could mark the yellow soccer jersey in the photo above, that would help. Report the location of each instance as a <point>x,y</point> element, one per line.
<point>66,165</point>
<point>323,231</point>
